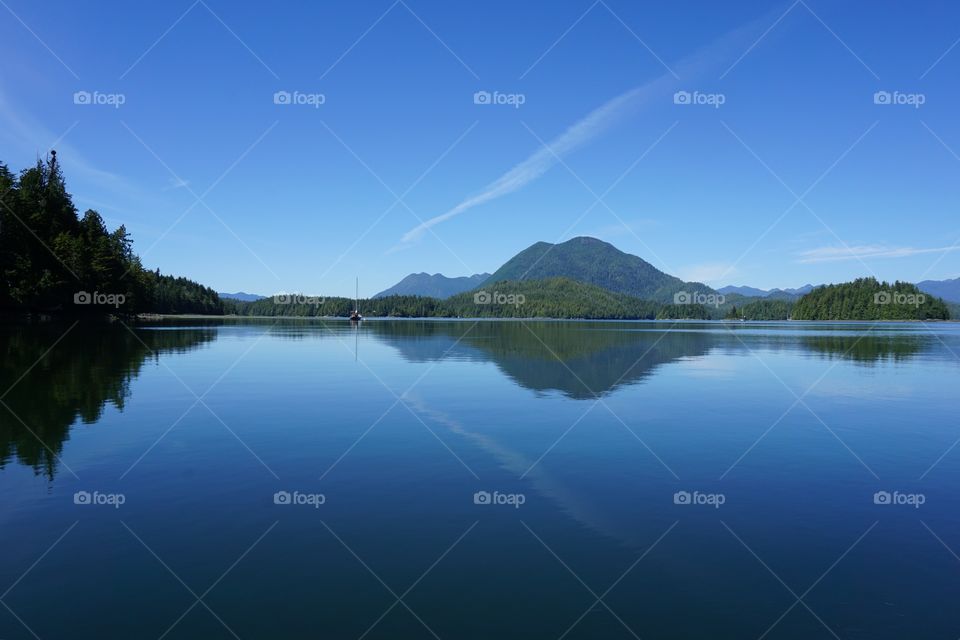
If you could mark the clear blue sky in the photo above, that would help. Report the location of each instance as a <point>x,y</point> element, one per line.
<point>288,189</point>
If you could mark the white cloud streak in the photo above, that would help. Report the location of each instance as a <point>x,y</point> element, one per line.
<point>595,123</point>
<point>29,136</point>
<point>542,160</point>
<point>865,252</point>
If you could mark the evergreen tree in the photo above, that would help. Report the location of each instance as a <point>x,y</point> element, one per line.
<point>48,255</point>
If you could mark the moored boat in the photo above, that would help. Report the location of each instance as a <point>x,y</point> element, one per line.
<point>355,314</point>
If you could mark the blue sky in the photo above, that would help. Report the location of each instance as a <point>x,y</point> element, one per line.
<point>798,176</point>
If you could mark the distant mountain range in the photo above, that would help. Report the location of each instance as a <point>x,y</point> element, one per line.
<point>596,265</point>
<point>433,286</point>
<point>582,259</point>
<point>753,292</point>
<point>949,290</point>
<point>749,292</point>
<point>240,295</point>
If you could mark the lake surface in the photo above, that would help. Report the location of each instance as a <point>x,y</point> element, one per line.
<point>421,479</point>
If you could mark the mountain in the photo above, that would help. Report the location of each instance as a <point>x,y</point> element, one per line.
<point>595,262</point>
<point>949,290</point>
<point>560,298</point>
<point>433,286</point>
<point>777,294</point>
<point>747,292</point>
<point>807,288</point>
<point>240,295</point>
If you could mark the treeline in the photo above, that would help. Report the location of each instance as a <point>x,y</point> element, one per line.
<point>171,294</point>
<point>549,298</point>
<point>869,299</point>
<point>301,306</point>
<point>54,261</point>
<point>562,298</point>
<point>763,309</point>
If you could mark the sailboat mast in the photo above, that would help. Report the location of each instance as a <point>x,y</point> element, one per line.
<point>357,296</point>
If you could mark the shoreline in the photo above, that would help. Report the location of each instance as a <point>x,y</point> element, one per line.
<point>148,318</point>
<point>156,317</point>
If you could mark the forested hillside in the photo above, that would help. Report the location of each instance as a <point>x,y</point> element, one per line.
<point>550,298</point>
<point>592,261</point>
<point>869,299</point>
<point>54,261</point>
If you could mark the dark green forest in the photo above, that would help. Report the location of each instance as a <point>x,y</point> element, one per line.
<point>548,298</point>
<point>869,299</point>
<point>52,260</point>
<point>762,309</point>
<point>563,298</point>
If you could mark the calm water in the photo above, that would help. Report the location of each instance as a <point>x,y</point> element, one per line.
<point>310,480</point>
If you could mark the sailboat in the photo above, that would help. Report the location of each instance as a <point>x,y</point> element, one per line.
<point>355,314</point>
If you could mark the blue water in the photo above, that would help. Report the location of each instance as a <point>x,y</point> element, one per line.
<point>653,480</point>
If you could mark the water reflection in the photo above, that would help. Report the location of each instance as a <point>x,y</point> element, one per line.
<point>48,385</point>
<point>586,359</point>
<point>95,365</point>
<point>506,401</point>
<point>576,359</point>
<point>871,349</point>
<point>576,501</point>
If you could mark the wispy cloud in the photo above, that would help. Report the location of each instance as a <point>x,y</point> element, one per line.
<point>176,183</point>
<point>864,252</point>
<point>543,159</point>
<point>26,134</point>
<point>595,123</point>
